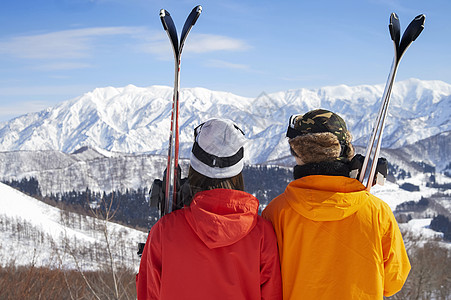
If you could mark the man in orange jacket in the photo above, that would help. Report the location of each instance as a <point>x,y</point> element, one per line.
<point>218,247</point>
<point>336,240</point>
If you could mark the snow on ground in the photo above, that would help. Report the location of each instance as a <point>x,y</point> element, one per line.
<point>35,232</point>
<point>421,226</point>
<point>37,213</point>
<point>393,195</point>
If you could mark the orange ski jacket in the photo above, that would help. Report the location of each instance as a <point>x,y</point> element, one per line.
<point>216,248</point>
<point>336,241</point>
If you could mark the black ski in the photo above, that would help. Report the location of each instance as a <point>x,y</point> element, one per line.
<point>410,34</point>
<point>172,174</point>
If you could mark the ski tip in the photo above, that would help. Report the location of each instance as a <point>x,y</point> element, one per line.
<point>411,33</point>
<point>419,26</point>
<point>197,10</point>
<point>421,17</point>
<point>393,16</point>
<point>163,13</point>
<point>394,28</point>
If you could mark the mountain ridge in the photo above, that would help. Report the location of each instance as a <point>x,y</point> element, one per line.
<point>134,119</point>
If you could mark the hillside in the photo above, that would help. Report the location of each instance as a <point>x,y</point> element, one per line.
<point>36,233</point>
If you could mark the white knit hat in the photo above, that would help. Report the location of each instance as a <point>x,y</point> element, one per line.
<point>218,149</point>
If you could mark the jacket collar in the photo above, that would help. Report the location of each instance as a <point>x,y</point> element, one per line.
<point>331,168</point>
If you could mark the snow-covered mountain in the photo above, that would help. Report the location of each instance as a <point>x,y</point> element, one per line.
<point>137,120</point>
<point>36,233</point>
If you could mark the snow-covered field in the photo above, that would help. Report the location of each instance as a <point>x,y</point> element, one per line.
<point>33,232</point>
<point>393,195</point>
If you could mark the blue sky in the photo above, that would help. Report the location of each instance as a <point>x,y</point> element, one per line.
<point>55,50</point>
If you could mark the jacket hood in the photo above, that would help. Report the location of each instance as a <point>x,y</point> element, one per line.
<point>221,217</point>
<point>326,198</point>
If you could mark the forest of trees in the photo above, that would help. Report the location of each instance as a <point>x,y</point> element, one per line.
<point>29,186</point>
<point>441,223</point>
<point>132,206</point>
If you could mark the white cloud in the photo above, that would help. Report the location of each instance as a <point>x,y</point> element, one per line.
<point>66,44</point>
<point>80,43</point>
<point>196,43</point>
<point>226,65</point>
<point>202,43</point>
<point>77,48</point>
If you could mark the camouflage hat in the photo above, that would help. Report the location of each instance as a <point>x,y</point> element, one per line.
<point>316,121</point>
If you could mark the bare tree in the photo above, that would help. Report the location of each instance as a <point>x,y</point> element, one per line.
<point>105,213</point>
<point>430,276</point>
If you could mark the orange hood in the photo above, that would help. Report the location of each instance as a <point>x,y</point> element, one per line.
<point>326,198</point>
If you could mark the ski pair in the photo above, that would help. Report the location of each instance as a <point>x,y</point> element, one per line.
<point>410,34</point>
<point>172,173</point>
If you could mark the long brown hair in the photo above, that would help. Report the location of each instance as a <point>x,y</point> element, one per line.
<point>199,182</point>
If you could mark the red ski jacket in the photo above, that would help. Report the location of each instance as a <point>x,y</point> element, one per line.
<point>217,248</point>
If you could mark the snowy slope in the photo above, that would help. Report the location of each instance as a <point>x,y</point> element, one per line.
<point>134,120</point>
<point>34,232</point>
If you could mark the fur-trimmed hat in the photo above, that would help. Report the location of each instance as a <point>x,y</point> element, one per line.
<point>218,149</point>
<point>319,135</point>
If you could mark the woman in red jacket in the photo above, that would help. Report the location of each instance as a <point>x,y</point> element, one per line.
<point>217,247</point>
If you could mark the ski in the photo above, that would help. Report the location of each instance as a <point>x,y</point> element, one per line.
<point>172,174</point>
<point>400,46</point>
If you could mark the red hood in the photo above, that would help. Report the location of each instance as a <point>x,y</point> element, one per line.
<point>221,217</point>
